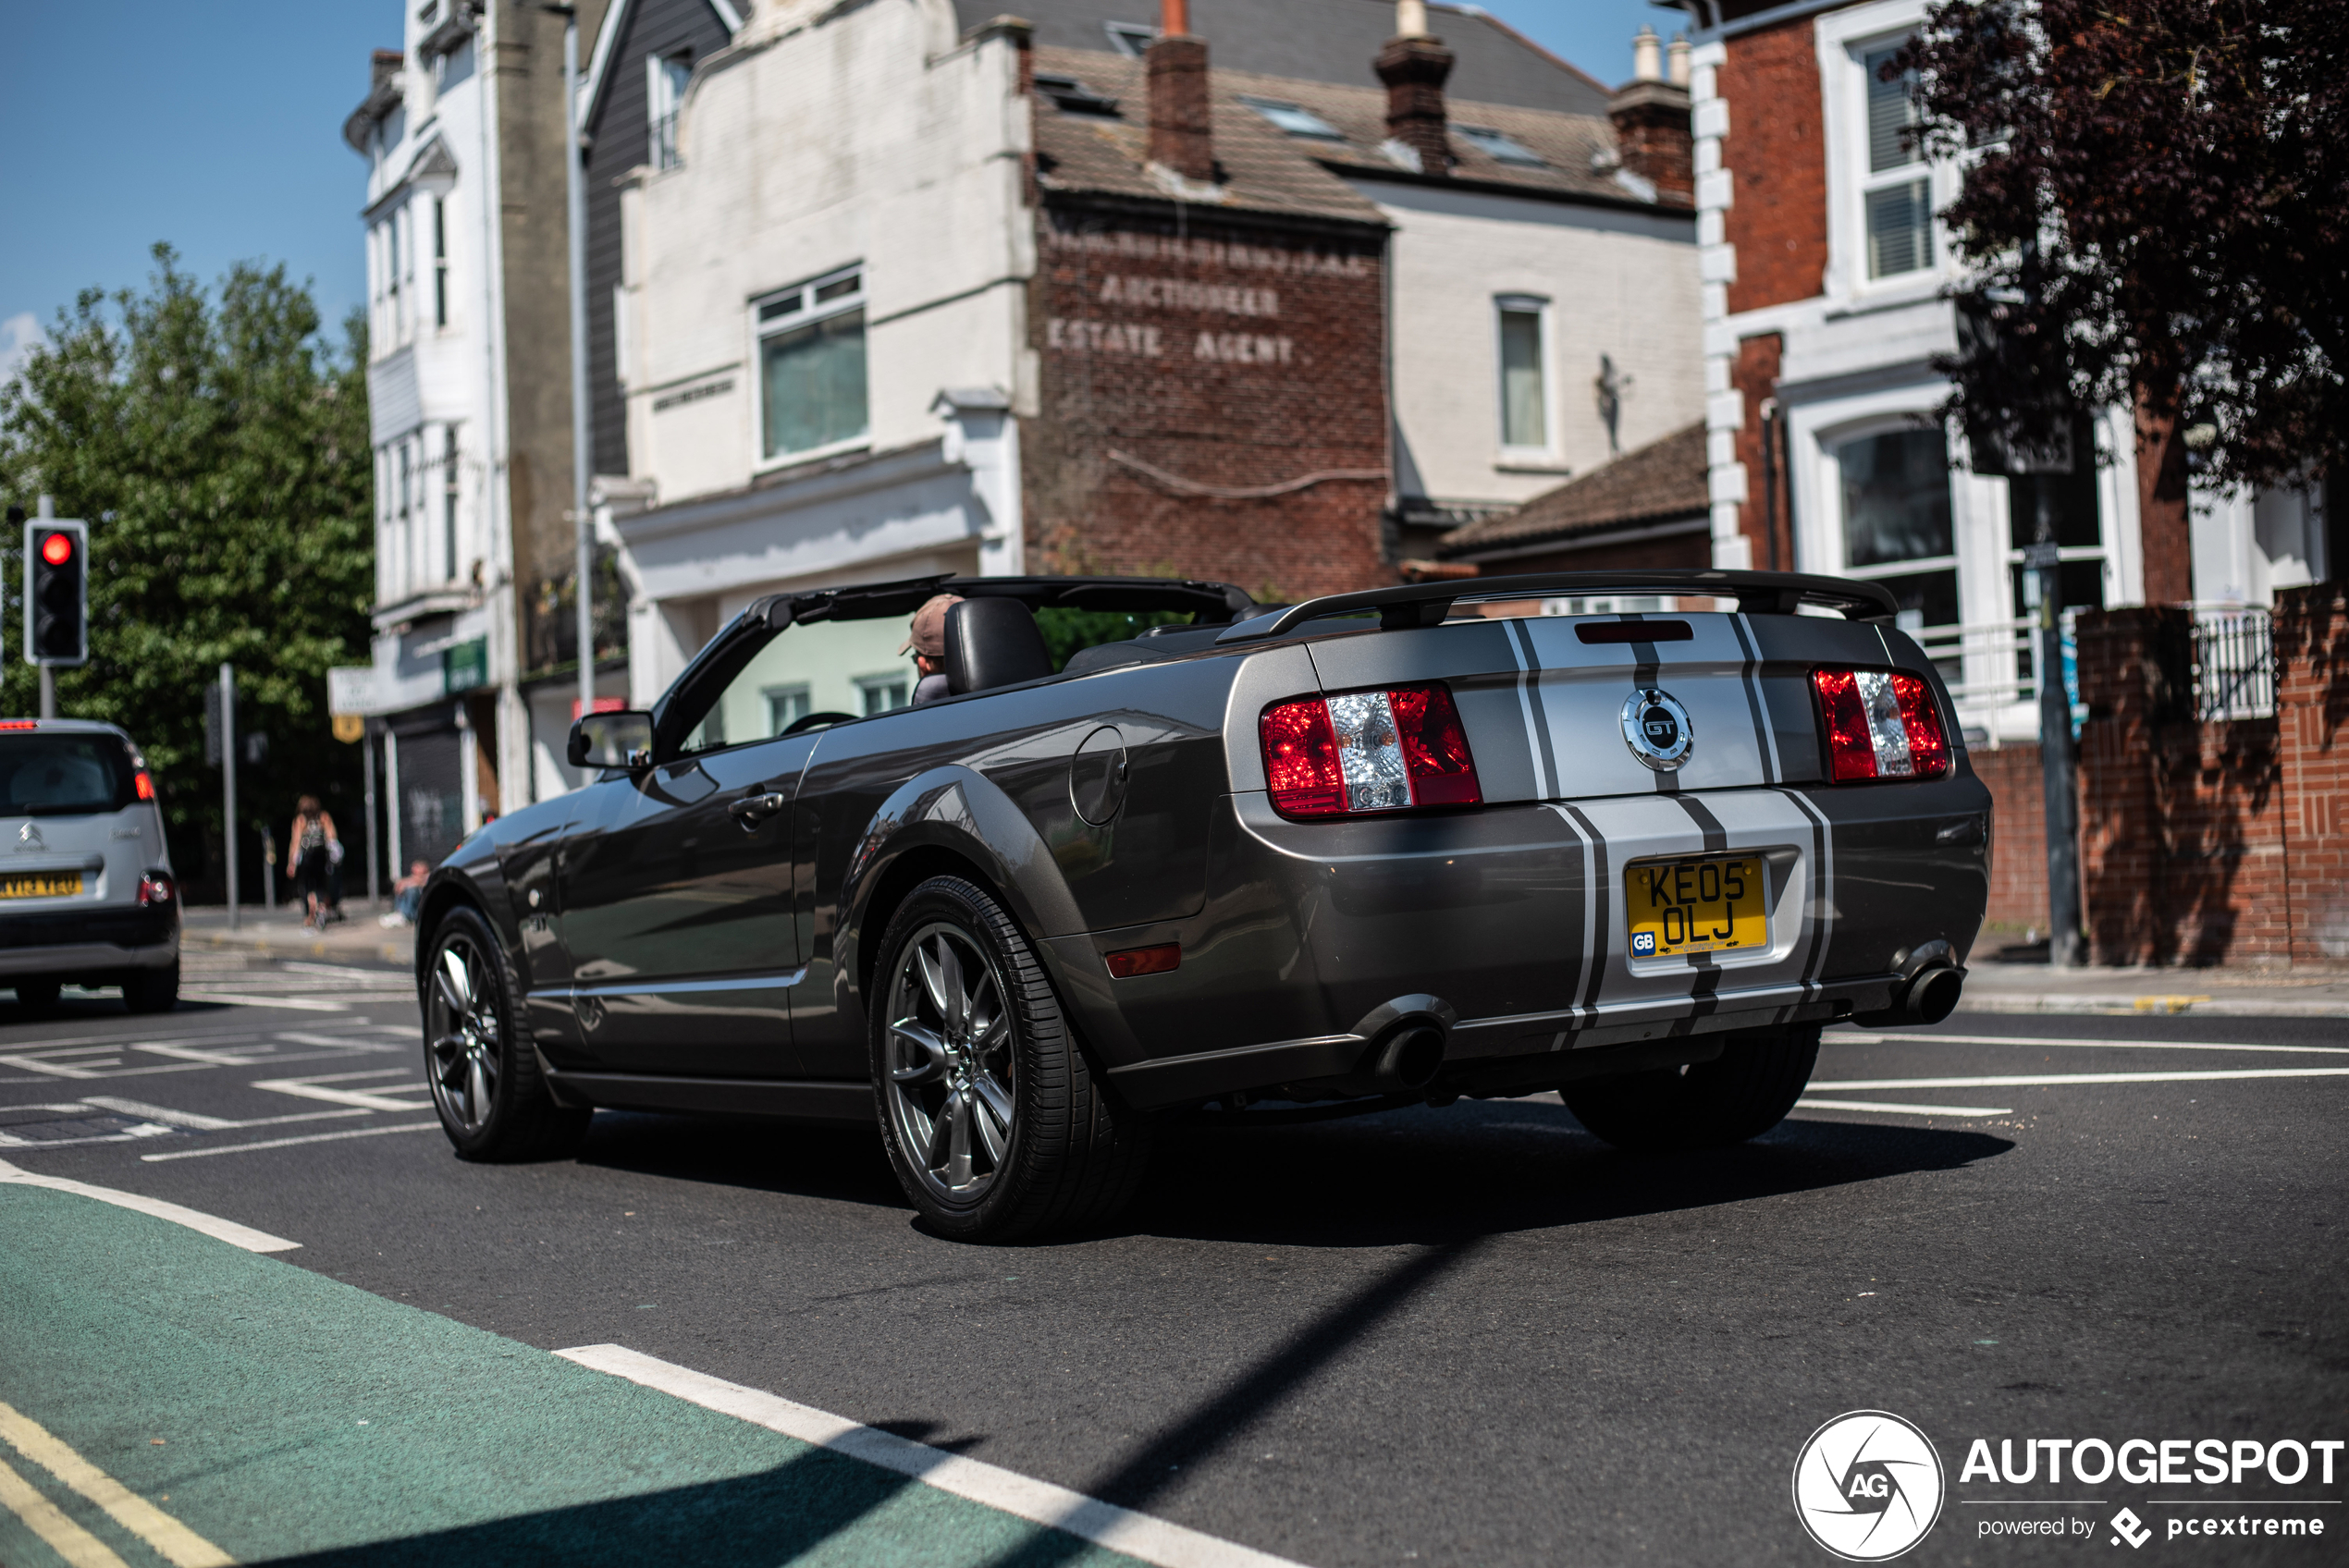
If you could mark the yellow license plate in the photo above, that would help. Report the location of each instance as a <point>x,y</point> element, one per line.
<point>1695,906</point>
<point>38,885</point>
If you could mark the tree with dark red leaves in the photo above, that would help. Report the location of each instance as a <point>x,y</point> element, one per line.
<point>2156,211</point>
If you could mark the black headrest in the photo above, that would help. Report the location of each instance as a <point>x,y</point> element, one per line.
<point>992,643</point>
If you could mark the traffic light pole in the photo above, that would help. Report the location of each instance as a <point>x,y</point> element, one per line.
<point>229,780</point>
<point>48,510</point>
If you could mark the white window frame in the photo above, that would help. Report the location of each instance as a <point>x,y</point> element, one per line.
<point>807,311</point>
<point>444,310</point>
<point>1844,38</point>
<point>665,100</point>
<point>1538,306</point>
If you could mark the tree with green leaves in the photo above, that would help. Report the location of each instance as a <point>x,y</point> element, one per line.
<point>218,448</point>
<point>2155,210</point>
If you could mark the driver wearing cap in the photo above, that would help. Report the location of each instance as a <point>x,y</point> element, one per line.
<point>927,642</point>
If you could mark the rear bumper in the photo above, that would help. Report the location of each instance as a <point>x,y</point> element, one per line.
<point>1511,921</point>
<point>89,942</point>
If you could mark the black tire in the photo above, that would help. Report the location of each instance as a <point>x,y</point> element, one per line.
<point>37,999</point>
<point>152,990</point>
<point>1073,1155</point>
<point>485,1084</point>
<point>1741,1093</point>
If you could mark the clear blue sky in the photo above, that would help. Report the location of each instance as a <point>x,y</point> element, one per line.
<point>218,127</point>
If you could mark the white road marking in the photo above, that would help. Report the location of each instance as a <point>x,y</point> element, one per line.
<point>175,1542</point>
<point>289,1143</point>
<point>227,1230</point>
<point>242,998</point>
<point>68,1541</point>
<point>1890,1108</point>
<point>1873,1040</point>
<point>196,1123</point>
<point>2032,1080</point>
<point>1104,1523</point>
<point>314,1088</point>
<point>54,1062</point>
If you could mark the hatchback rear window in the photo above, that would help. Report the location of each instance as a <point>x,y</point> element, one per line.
<point>58,774</point>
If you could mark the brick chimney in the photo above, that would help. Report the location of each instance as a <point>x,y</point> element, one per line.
<point>1414,66</point>
<point>1182,138</point>
<point>1651,117</point>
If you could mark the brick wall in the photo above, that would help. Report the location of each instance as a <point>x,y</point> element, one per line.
<point>2018,840</point>
<point>1764,511</point>
<point>2185,828</point>
<point>1181,362</point>
<point>1776,153</point>
<point>2312,722</point>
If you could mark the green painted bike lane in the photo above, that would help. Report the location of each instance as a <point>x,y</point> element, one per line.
<point>302,1418</point>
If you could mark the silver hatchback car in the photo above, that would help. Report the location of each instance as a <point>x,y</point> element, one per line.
<point>86,896</point>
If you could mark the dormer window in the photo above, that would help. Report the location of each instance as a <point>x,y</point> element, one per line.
<point>1499,146</point>
<point>1073,96</point>
<point>1294,118</point>
<point>1132,40</point>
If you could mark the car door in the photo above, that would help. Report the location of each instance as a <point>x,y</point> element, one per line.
<point>676,900</point>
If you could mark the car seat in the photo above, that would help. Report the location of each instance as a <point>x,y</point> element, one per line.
<point>992,643</point>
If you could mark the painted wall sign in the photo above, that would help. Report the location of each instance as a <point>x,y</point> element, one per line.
<point>1185,294</point>
<point>1103,337</point>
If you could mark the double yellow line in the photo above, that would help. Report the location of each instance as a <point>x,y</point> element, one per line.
<point>173,1541</point>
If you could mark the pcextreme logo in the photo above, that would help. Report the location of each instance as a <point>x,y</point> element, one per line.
<point>1868,1486</point>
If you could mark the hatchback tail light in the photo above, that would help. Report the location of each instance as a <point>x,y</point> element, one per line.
<point>155,890</point>
<point>1880,723</point>
<point>1368,752</point>
<point>142,784</point>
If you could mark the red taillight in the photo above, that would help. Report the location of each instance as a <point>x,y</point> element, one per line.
<point>1146,961</point>
<point>143,785</point>
<point>155,889</point>
<point>1368,752</point>
<point>1300,759</point>
<point>1880,723</point>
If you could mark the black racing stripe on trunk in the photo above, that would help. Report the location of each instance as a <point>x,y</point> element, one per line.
<point>1817,903</point>
<point>1531,676</point>
<point>1716,838</point>
<point>1599,906</point>
<point>1708,981</point>
<point>1645,673</point>
<point>1750,679</point>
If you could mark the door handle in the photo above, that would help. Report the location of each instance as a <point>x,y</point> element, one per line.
<point>753,809</point>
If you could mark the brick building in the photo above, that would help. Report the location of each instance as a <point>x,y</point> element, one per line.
<point>1281,298</point>
<point>1824,271</point>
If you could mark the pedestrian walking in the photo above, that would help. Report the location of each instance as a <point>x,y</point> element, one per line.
<point>316,848</point>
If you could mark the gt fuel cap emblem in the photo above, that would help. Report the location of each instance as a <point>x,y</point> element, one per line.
<point>1656,728</point>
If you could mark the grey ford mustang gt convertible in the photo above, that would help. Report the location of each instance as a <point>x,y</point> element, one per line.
<point>1378,849</point>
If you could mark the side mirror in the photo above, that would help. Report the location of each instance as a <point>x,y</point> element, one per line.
<point>612,739</point>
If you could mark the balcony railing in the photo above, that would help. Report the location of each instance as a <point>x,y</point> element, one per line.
<point>2234,665</point>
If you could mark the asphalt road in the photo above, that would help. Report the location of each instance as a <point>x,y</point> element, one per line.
<point>1469,1336</point>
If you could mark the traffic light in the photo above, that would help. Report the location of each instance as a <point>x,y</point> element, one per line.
<point>57,599</point>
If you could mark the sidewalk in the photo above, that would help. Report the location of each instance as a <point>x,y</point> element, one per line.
<point>1995,986</point>
<point>356,940</point>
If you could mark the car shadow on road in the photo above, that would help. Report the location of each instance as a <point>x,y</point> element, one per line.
<point>1479,1169</point>
<point>840,1163</point>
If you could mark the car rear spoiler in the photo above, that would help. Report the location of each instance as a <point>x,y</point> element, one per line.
<point>1426,603</point>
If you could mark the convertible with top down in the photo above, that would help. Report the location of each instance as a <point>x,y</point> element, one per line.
<point>1473,837</point>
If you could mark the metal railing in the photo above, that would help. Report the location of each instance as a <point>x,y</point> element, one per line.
<point>2234,665</point>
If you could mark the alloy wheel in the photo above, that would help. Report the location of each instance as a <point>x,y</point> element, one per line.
<point>465,1033</point>
<point>952,1063</point>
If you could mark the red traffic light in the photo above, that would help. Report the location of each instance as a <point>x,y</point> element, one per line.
<point>57,548</point>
